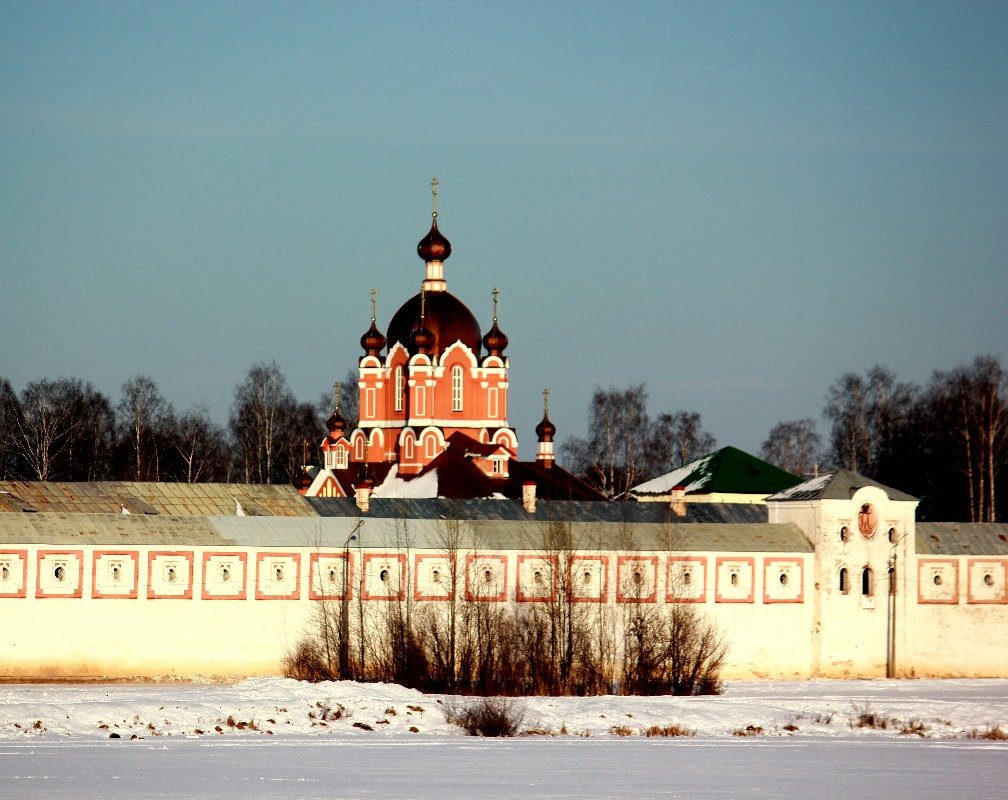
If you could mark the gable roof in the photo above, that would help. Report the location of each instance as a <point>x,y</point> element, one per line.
<point>962,538</point>
<point>728,471</point>
<point>178,499</point>
<point>838,485</point>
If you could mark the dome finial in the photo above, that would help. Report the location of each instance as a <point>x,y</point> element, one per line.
<point>372,341</point>
<point>335,391</point>
<point>495,341</point>
<point>433,184</point>
<point>545,431</point>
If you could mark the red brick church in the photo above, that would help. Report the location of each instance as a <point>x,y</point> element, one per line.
<point>434,407</point>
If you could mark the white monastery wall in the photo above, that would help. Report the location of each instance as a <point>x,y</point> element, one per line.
<point>138,611</point>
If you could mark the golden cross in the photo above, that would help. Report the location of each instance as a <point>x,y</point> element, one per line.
<point>495,292</point>
<point>374,300</point>
<point>546,394</point>
<point>335,391</point>
<point>434,184</point>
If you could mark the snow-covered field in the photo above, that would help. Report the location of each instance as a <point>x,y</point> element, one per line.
<point>282,739</point>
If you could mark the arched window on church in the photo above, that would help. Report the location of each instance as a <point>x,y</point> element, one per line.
<point>844,581</point>
<point>456,375</point>
<point>398,389</point>
<point>867,582</point>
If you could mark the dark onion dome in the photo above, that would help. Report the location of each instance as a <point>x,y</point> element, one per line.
<point>434,246</point>
<point>545,430</point>
<point>421,340</point>
<point>336,424</point>
<point>495,341</point>
<point>445,317</point>
<point>373,341</point>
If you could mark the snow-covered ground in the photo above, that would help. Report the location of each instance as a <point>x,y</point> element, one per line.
<point>279,738</point>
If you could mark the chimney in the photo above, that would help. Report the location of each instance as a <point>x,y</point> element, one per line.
<point>362,493</point>
<point>529,496</point>
<point>678,501</point>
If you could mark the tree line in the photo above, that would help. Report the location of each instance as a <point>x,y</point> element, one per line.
<point>945,442</point>
<point>67,430</point>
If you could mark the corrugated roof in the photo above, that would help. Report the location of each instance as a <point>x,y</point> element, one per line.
<point>174,499</point>
<point>111,530</point>
<point>962,538</point>
<point>839,485</point>
<point>577,511</point>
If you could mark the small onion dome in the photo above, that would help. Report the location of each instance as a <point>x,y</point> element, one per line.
<point>545,430</point>
<point>336,424</point>
<point>421,340</point>
<point>495,341</point>
<point>373,341</point>
<point>434,246</point>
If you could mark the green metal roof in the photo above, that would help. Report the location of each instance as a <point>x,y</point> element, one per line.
<point>728,471</point>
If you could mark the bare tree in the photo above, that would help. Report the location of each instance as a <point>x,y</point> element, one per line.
<point>201,447</point>
<point>968,407</point>
<point>624,447</point>
<point>678,439</point>
<point>793,446</point>
<point>256,421</point>
<point>43,428</point>
<point>868,415</point>
<point>10,412</point>
<point>143,414</point>
<point>91,444</point>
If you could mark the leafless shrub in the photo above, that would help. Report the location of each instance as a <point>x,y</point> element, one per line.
<point>621,730</point>
<point>994,733</point>
<point>327,713</point>
<point>307,662</point>
<point>669,730</point>
<point>748,730</point>
<point>913,727</point>
<point>486,716</point>
<point>867,717</point>
<point>791,727</point>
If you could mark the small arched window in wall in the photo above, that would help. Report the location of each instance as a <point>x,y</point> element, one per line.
<point>988,579</point>
<point>456,378</point>
<point>687,577</point>
<point>892,536</point>
<point>937,579</point>
<point>844,534</point>
<point>844,581</point>
<point>734,578</point>
<point>225,573</point>
<point>398,388</point>
<point>867,582</point>
<point>783,579</point>
<point>383,576</point>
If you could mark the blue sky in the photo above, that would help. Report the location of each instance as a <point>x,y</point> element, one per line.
<point>733,202</point>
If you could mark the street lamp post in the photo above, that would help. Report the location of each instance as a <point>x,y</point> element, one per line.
<point>344,643</point>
